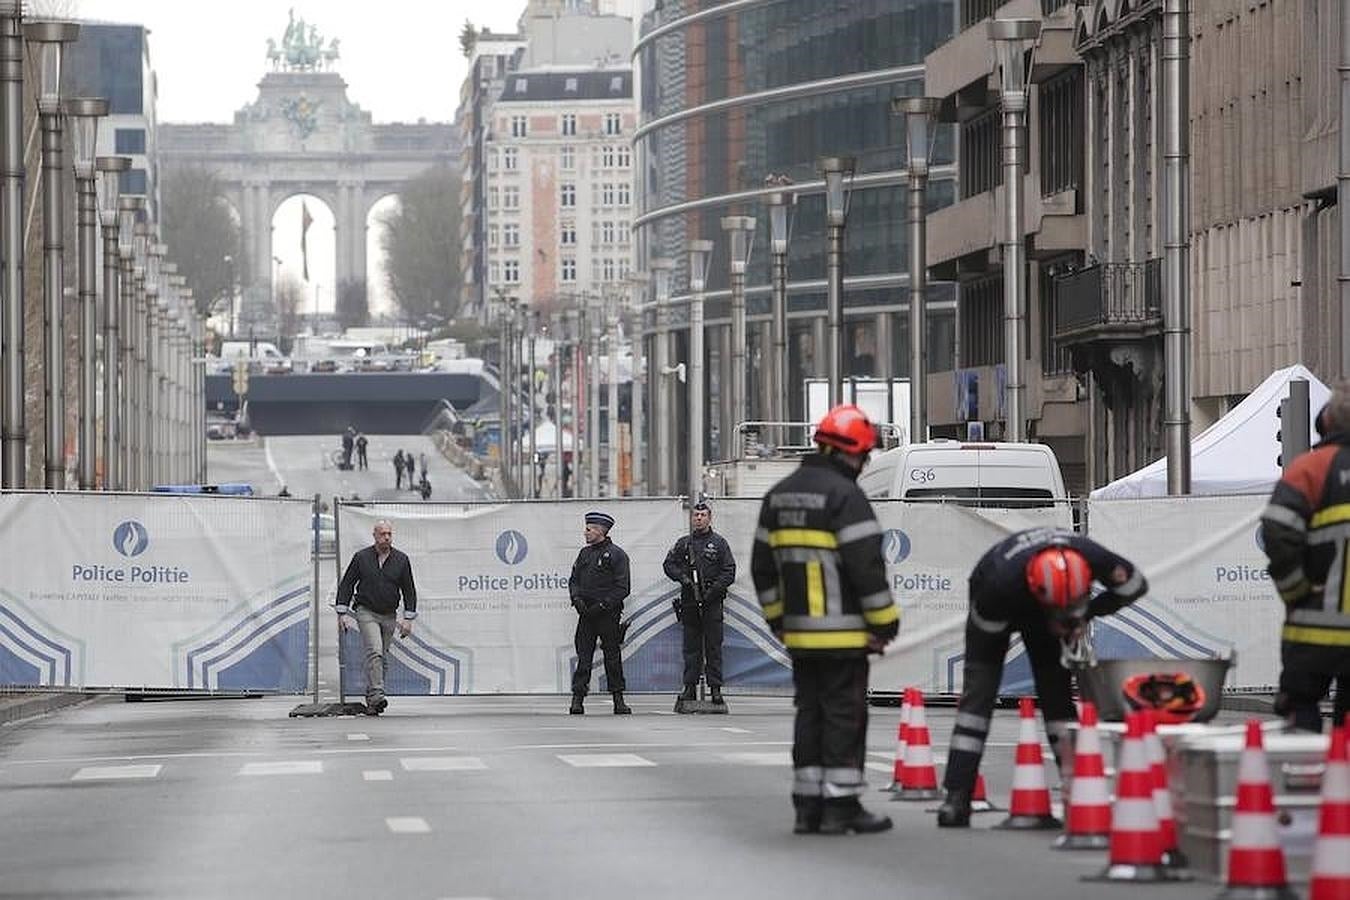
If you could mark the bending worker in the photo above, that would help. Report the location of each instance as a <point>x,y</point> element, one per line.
<point>702,563</point>
<point>1038,583</point>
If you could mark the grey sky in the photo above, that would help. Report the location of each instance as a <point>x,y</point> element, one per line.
<point>400,58</point>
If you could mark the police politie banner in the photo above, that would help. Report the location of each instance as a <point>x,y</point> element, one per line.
<point>154,591</point>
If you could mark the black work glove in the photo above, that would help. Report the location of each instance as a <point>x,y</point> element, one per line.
<point>679,609</point>
<point>579,605</point>
<point>714,594</point>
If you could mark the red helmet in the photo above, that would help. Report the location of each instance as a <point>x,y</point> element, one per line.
<point>1174,697</point>
<point>846,427</point>
<point>1059,578</point>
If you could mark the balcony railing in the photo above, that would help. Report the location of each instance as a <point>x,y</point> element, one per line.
<point>1109,294</point>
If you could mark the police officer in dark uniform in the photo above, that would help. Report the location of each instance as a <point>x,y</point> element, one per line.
<point>702,563</point>
<point>1303,532</point>
<point>598,586</point>
<point>821,579</point>
<point>1038,583</point>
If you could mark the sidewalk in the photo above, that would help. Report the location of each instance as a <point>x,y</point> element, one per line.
<point>15,707</point>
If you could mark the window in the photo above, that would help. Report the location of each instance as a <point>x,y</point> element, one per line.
<point>494,273</point>
<point>129,140</point>
<point>570,86</point>
<point>606,232</point>
<point>510,198</point>
<point>621,232</point>
<point>567,234</point>
<point>625,193</point>
<point>511,271</point>
<point>492,160</point>
<point>569,194</point>
<point>623,156</point>
<point>616,84</point>
<point>511,235</point>
<point>510,158</point>
<point>613,124</point>
<point>133,181</point>
<point>568,158</point>
<point>607,269</point>
<point>492,198</point>
<point>521,85</point>
<point>607,194</point>
<point>569,269</point>
<point>519,126</point>
<point>492,235</point>
<point>607,157</point>
<point>569,124</point>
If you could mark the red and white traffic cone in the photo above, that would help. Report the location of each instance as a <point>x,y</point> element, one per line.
<point>1330,877</point>
<point>1256,869</point>
<point>1162,795</point>
<point>901,738</point>
<point>1029,806</point>
<point>1136,844</point>
<point>979,800</point>
<point>1088,818</point>
<point>920,771</point>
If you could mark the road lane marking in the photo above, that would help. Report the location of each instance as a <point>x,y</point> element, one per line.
<point>407,825</point>
<point>730,730</point>
<point>112,773</point>
<point>358,737</point>
<point>301,767</point>
<point>880,767</point>
<point>442,764</point>
<point>604,760</point>
<point>377,775</point>
<point>776,758</point>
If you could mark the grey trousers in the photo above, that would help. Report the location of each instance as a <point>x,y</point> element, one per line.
<point>377,630</point>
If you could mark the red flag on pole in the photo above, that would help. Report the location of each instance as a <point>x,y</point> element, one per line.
<point>305,221</point>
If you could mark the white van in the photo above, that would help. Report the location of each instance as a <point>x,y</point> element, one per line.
<point>971,474</point>
<point>263,350</point>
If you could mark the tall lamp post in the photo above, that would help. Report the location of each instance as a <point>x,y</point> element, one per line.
<point>920,116</point>
<point>700,255</point>
<point>838,173</point>
<point>128,208</point>
<point>1176,245</point>
<point>663,475</point>
<point>110,169</point>
<point>637,388</point>
<point>781,206</point>
<point>13,438</point>
<point>48,40</point>
<point>1013,40</point>
<point>84,113</point>
<point>740,232</point>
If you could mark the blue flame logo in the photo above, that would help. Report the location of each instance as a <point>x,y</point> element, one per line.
<point>895,546</point>
<point>130,538</point>
<point>512,547</point>
<point>1260,539</point>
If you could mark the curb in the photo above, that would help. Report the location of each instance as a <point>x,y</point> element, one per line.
<point>16,708</point>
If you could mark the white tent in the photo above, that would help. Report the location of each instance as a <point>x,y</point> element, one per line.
<point>1235,455</point>
<point>546,438</point>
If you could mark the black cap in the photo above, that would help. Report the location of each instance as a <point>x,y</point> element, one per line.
<point>604,520</point>
<point>701,505</point>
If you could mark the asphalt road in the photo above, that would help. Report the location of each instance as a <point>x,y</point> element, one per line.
<point>479,798</point>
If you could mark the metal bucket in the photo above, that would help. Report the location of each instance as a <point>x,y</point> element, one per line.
<point>1102,683</point>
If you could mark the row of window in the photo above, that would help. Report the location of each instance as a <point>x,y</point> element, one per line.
<point>567,124</point>
<point>610,156</point>
<point>610,194</point>
<point>606,232</point>
<point>610,269</point>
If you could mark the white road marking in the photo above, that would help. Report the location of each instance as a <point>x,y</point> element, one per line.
<point>302,767</point>
<point>111,773</point>
<point>377,775</point>
<point>407,825</point>
<point>879,767</point>
<point>442,764</point>
<point>776,758</point>
<point>737,730</point>
<point>604,760</point>
<point>358,737</point>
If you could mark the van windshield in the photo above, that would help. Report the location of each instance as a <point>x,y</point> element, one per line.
<point>1001,497</point>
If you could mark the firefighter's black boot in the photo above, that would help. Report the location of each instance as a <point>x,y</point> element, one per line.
<point>621,708</point>
<point>808,814</point>
<point>845,814</point>
<point>690,692</point>
<point>955,810</point>
<point>577,709</point>
<point>717,695</point>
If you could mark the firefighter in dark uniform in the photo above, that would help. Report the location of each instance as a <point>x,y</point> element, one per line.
<point>1039,583</point>
<point>1305,535</point>
<point>598,586</point>
<point>820,577</point>
<point>702,563</point>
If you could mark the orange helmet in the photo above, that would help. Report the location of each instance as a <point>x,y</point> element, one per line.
<point>846,427</point>
<point>1060,579</point>
<point>1174,697</point>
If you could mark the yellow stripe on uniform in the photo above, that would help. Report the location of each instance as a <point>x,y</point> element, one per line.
<point>773,610</point>
<point>803,537</point>
<point>825,640</point>
<point>815,589</point>
<point>884,616</point>
<point>1325,637</point>
<point>1332,515</point>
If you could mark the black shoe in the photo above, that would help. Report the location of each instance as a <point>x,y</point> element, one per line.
<point>377,706</point>
<point>576,709</point>
<point>955,810</point>
<point>847,815</point>
<point>689,693</point>
<point>621,708</point>
<point>808,814</point>
<point>717,695</point>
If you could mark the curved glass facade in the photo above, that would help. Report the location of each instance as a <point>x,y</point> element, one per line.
<point>791,49</point>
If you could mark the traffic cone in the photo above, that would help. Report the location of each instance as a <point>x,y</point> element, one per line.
<point>1255,859</point>
<point>901,737</point>
<point>1330,877</point>
<point>979,800</point>
<point>1088,818</point>
<point>1029,807</point>
<point>1162,794</point>
<point>920,772</point>
<point>1136,844</point>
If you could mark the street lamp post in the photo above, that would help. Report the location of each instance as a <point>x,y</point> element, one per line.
<point>781,206</point>
<point>1176,243</point>
<point>153,364</point>
<point>13,437</point>
<point>1013,40</point>
<point>838,172</point>
<point>84,113</point>
<point>48,39</point>
<point>920,115</point>
<point>128,208</point>
<point>611,308</point>
<point>110,169</point>
<point>637,389</point>
<point>663,475</point>
<point>700,255</point>
<point>741,236</point>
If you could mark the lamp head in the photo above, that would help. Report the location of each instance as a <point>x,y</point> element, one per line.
<point>48,40</point>
<point>700,255</point>
<point>741,231</point>
<point>920,116</point>
<point>781,205</point>
<point>110,169</point>
<point>1012,40</point>
<point>838,174</point>
<point>84,113</point>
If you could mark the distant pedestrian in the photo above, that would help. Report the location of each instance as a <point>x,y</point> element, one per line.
<point>410,466</point>
<point>361,443</point>
<point>422,461</point>
<point>368,597</point>
<point>424,487</point>
<point>398,470</point>
<point>348,442</point>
